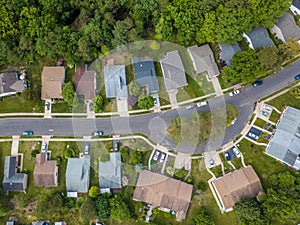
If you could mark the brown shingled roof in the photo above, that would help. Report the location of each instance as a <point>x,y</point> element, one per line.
<point>52,78</point>
<point>163,191</point>
<point>44,171</point>
<point>240,184</point>
<point>85,84</point>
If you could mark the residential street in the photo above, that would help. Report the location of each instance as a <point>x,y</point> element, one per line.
<point>154,125</point>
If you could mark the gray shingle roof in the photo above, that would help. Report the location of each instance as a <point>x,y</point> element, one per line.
<point>13,181</point>
<point>145,73</point>
<point>9,83</point>
<point>260,38</point>
<point>78,174</point>
<point>110,172</point>
<point>288,27</point>
<point>203,60</point>
<point>228,51</point>
<point>173,71</point>
<point>285,143</point>
<point>296,3</point>
<point>115,81</point>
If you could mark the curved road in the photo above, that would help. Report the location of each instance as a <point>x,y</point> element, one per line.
<point>154,125</point>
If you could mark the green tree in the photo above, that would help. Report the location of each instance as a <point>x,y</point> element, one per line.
<point>6,26</point>
<point>135,158</point>
<point>68,93</point>
<point>134,88</point>
<point>145,102</point>
<point>119,209</point>
<point>98,104</point>
<point>290,49</point>
<point>248,210</point>
<point>2,210</point>
<point>49,204</point>
<point>88,210</point>
<point>103,207</point>
<point>269,58</point>
<point>94,192</point>
<point>203,218</point>
<point>244,68</point>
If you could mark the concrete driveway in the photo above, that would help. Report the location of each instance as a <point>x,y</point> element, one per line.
<point>214,155</point>
<point>173,99</point>
<point>122,106</point>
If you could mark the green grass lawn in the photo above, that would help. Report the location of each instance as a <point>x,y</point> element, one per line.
<point>259,122</point>
<point>18,104</point>
<point>60,107</point>
<point>274,117</point>
<point>284,100</point>
<point>263,164</point>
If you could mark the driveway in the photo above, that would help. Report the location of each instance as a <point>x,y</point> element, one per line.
<point>214,155</point>
<point>173,99</point>
<point>122,106</point>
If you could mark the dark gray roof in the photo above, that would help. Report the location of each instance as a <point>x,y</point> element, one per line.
<point>260,38</point>
<point>296,3</point>
<point>78,174</point>
<point>12,180</point>
<point>9,83</point>
<point>173,71</point>
<point>288,27</point>
<point>110,172</point>
<point>285,143</point>
<point>228,51</point>
<point>115,81</point>
<point>203,60</point>
<point>145,73</point>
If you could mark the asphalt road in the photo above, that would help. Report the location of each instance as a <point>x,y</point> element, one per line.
<point>154,125</point>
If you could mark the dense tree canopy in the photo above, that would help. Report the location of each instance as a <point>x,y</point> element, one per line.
<point>103,207</point>
<point>68,93</point>
<point>203,218</point>
<point>119,209</point>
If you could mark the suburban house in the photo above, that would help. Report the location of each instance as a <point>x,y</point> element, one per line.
<point>164,193</point>
<point>295,7</point>
<point>203,60</point>
<point>52,82</point>
<point>115,81</point>
<point>10,83</point>
<point>45,171</point>
<point>173,71</point>
<point>258,38</point>
<point>85,83</point>
<point>285,143</point>
<point>145,75</point>
<point>78,176</point>
<point>235,186</point>
<point>286,28</point>
<point>110,178</point>
<point>13,181</point>
<point>227,52</point>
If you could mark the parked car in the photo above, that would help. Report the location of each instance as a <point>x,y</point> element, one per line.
<point>233,121</point>
<point>236,152</point>
<point>86,148</point>
<point>190,107</point>
<point>257,83</point>
<point>227,156</point>
<point>155,101</point>
<point>156,154</point>
<point>264,113</point>
<point>27,133</point>
<point>47,106</point>
<point>201,104</point>
<point>25,84</point>
<point>162,157</point>
<point>44,147</point>
<point>267,107</point>
<point>211,162</point>
<point>297,77</point>
<point>254,136</point>
<point>91,106</point>
<point>116,145</point>
<point>235,92</point>
<point>97,133</point>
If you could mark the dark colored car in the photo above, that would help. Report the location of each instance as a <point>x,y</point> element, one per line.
<point>257,83</point>
<point>28,133</point>
<point>227,156</point>
<point>297,77</point>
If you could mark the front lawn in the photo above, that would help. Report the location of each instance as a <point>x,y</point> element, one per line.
<point>287,99</point>
<point>19,104</point>
<point>60,107</point>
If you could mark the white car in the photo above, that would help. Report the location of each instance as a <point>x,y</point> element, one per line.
<point>44,147</point>
<point>233,121</point>
<point>162,158</point>
<point>264,113</point>
<point>156,154</point>
<point>190,107</point>
<point>236,92</point>
<point>211,162</point>
<point>254,136</point>
<point>201,104</point>
<point>236,152</point>
<point>267,107</point>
